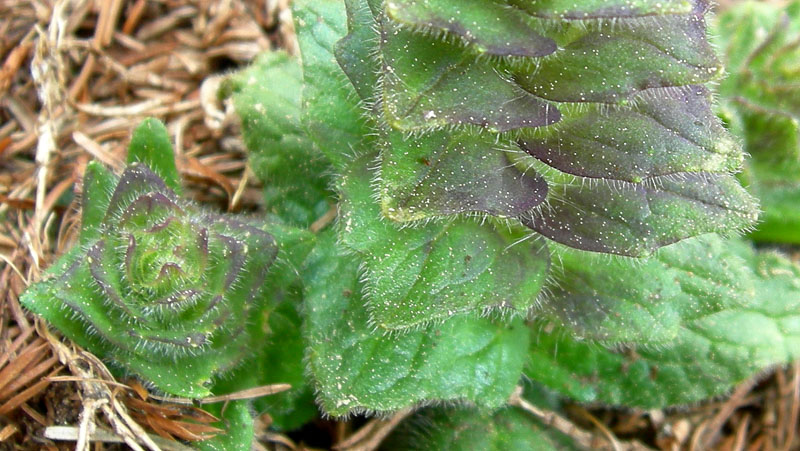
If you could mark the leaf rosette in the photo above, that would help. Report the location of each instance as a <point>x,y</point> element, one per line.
<point>159,286</point>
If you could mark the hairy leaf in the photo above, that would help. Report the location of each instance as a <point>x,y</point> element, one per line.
<point>237,423</point>
<point>429,83</point>
<point>659,132</point>
<point>150,145</point>
<point>267,99</point>
<point>450,173</point>
<point>160,287</point>
<point>508,34</point>
<point>636,219</point>
<point>357,368</point>
<point>715,350</point>
<point>433,271</point>
<point>331,112</point>
<point>618,100</point>
<point>646,301</point>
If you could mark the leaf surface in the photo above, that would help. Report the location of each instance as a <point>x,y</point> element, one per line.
<point>332,112</point>
<point>433,271</point>
<point>267,98</point>
<point>715,349</point>
<point>151,146</point>
<point>636,219</point>
<point>357,368</point>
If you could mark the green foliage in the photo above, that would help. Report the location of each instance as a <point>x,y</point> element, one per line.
<point>525,189</point>
<point>505,429</point>
<point>736,312</point>
<point>761,100</point>
<point>267,99</point>
<point>476,359</point>
<point>158,286</point>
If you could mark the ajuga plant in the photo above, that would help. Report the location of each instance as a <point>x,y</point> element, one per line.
<point>526,190</point>
<point>161,288</point>
<point>761,102</point>
<point>533,193</point>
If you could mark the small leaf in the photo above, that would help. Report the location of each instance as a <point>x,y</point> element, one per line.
<point>433,271</point>
<point>715,349</point>
<point>163,290</point>
<point>98,186</point>
<point>267,99</point>
<point>332,112</point>
<point>151,146</point>
<point>237,423</point>
<point>357,368</point>
<point>469,429</point>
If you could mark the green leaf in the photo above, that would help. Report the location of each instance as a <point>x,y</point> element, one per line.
<point>357,368</point>
<point>429,82</point>
<point>163,290</point>
<point>237,422</point>
<point>508,34</point>
<point>610,59</point>
<point>433,271</point>
<point>658,132</point>
<point>467,429</point>
<point>267,99</point>
<point>594,9</point>
<point>98,186</point>
<point>715,349</point>
<point>447,173</point>
<point>762,103</point>
<point>356,52</point>
<point>645,301</point>
<point>635,219</point>
<point>332,112</point>
<point>151,146</point>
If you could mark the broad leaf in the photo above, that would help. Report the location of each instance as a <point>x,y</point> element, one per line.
<point>635,219</point>
<point>646,301</point>
<point>658,132</point>
<point>433,271</point>
<point>267,100</point>
<point>429,82</point>
<point>446,173</point>
<point>715,349</point>
<point>594,9</point>
<point>508,34</point>
<point>357,368</point>
<point>611,59</point>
